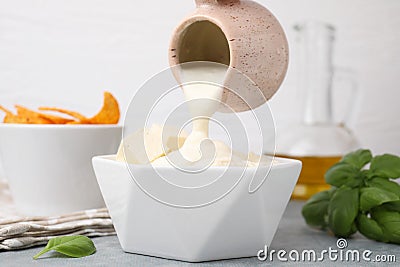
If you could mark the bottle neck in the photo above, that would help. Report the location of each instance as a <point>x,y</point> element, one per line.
<point>316,71</point>
<point>318,98</point>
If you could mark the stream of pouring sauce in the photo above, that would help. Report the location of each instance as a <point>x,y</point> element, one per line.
<point>204,99</point>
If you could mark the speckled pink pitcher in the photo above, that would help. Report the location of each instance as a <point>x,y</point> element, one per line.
<point>241,34</point>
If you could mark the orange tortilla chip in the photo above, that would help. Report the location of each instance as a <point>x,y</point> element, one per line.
<point>73,114</point>
<point>18,119</point>
<point>25,118</point>
<point>25,112</point>
<point>8,114</point>
<point>55,119</point>
<point>5,110</point>
<point>11,118</point>
<point>109,113</point>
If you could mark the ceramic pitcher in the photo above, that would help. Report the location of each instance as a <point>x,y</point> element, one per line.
<point>241,34</point>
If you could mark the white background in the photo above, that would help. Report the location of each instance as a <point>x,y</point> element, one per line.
<point>67,52</point>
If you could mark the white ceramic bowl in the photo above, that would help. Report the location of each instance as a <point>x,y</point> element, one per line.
<point>49,168</point>
<point>238,225</point>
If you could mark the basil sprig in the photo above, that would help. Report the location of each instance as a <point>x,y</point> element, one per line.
<point>360,199</point>
<point>73,246</point>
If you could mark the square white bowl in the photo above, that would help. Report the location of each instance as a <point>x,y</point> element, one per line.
<point>237,225</point>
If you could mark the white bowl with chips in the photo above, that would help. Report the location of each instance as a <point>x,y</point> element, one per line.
<point>48,167</point>
<point>237,225</point>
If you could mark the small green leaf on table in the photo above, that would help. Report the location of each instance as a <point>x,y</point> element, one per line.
<point>73,246</point>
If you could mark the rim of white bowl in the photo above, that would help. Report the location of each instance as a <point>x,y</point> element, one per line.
<point>60,126</point>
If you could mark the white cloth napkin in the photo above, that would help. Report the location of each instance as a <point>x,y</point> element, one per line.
<point>18,232</point>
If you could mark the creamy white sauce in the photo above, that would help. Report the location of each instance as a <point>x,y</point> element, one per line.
<point>203,100</point>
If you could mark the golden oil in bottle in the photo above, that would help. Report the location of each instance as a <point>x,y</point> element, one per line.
<point>311,178</point>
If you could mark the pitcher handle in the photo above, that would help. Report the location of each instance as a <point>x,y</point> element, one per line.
<point>215,2</point>
<point>347,76</point>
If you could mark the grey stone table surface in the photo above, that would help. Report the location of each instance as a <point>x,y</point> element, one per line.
<point>292,234</point>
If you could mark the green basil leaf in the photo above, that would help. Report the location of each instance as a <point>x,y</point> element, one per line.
<point>343,173</point>
<point>385,184</point>
<point>74,246</point>
<point>368,174</point>
<point>371,197</point>
<point>390,223</point>
<point>316,209</point>
<point>370,228</point>
<point>358,158</point>
<point>386,166</point>
<point>343,210</point>
<point>392,206</point>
